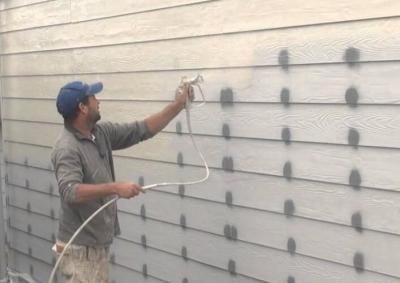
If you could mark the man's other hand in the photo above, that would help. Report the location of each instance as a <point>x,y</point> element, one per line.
<point>128,189</point>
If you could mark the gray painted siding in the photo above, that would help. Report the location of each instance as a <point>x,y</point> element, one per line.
<point>3,264</point>
<point>293,198</point>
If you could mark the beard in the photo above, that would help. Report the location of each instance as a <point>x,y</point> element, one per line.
<point>94,117</point>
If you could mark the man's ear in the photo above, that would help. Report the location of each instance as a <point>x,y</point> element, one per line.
<point>82,107</point>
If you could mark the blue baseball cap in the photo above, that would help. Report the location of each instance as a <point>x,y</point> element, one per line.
<point>73,93</point>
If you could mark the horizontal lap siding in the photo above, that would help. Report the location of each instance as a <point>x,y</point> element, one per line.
<point>24,17</point>
<point>258,52</point>
<point>207,21</point>
<point>163,207</point>
<point>261,192</point>
<point>15,4</point>
<point>248,256</point>
<point>324,124</point>
<point>29,15</point>
<point>234,50</point>
<point>375,82</point>
<point>316,162</point>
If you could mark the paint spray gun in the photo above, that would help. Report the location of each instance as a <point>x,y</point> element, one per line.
<point>193,82</point>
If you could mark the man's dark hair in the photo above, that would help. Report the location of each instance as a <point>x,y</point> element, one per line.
<point>68,119</point>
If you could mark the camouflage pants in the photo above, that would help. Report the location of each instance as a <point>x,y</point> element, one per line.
<point>81,264</point>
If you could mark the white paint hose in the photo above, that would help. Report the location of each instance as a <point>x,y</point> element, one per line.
<point>193,82</point>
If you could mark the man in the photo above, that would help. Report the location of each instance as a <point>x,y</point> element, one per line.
<point>83,163</point>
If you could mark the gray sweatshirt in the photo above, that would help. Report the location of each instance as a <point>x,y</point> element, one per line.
<point>80,160</point>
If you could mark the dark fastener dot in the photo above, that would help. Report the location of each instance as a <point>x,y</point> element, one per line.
<point>291,279</point>
<point>26,161</point>
<point>226,133</point>
<point>28,207</point>
<point>356,221</point>
<point>234,233</point>
<point>141,180</point>
<point>143,212</point>
<point>291,246</point>
<point>27,184</point>
<point>31,270</point>
<point>30,251</point>
<point>183,221</point>
<point>185,280</point>
<point>352,56</point>
<point>227,163</point>
<point>229,198</point>
<point>51,189</point>
<point>143,241</point>
<point>29,228</point>
<point>227,231</point>
<point>180,159</point>
<point>226,97</point>
<point>112,258</point>
<point>355,179</point>
<point>285,96</point>
<point>144,270</point>
<point>286,135</point>
<point>53,237</point>
<point>184,253</point>
<point>358,262</point>
<point>52,216</point>
<point>352,97</point>
<point>181,190</point>
<point>283,59</point>
<point>179,128</point>
<point>353,137</point>
<point>287,170</point>
<point>289,207</point>
<point>232,267</point>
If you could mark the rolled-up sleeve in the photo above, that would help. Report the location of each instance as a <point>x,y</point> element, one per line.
<point>69,174</point>
<point>125,134</point>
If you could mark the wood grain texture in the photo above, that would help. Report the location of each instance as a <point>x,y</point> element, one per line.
<point>92,9</point>
<point>248,258</point>
<point>22,263</point>
<point>312,200</point>
<point>248,49</point>
<point>168,272</point>
<point>40,248</point>
<point>256,51</point>
<point>319,162</point>
<point>41,14</point>
<point>211,17</point>
<point>376,125</point>
<point>249,190</point>
<point>321,240</point>
<point>46,14</point>
<point>282,265</point>
<point>44,227</point>
<point>377,83</point>
<point>14,4</point>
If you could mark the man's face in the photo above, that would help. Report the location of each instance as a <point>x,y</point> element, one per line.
<point>93,109</point>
